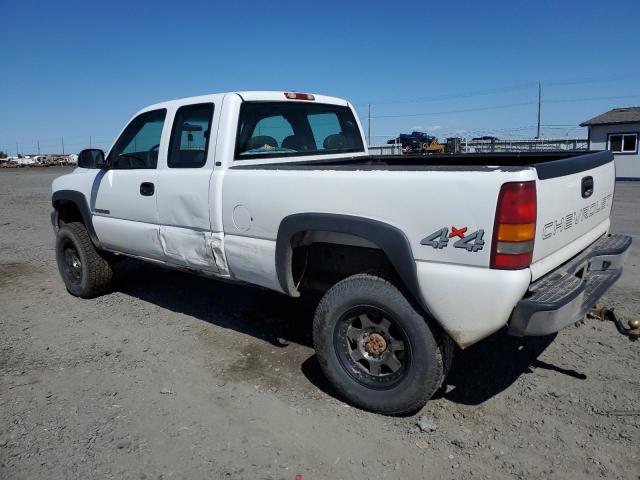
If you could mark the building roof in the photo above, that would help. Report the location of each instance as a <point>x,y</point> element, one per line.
<point>615,116</point>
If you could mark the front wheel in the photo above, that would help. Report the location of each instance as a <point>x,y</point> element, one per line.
<point>84,270</point>
<point>377,351</point>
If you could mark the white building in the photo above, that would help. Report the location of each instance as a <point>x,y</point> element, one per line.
<point>618,130</point>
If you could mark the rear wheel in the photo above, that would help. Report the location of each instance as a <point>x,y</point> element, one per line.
<point>85,272</point>
<point>376,349</point>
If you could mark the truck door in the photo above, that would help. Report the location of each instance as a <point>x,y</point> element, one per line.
<point>123,198</point>
<point>184,195</point>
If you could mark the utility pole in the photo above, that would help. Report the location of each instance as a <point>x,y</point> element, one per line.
<point>369,126</point>
<point>90,142</point>
<point>62,145</point>
<point>38,147</point>
<point>539,102</point>
<point>17,151</point>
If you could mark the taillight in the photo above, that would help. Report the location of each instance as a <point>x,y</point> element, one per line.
<point>299,96</point>
<point>514,230</point>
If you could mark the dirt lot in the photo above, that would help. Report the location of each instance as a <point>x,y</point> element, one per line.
<point>175,376</point>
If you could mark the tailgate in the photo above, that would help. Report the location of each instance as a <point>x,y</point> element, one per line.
<point>574,201</point>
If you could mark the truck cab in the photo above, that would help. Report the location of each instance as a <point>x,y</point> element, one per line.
<point>155,200</point>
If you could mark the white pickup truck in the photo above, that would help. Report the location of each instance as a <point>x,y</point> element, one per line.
<point>414,254</point>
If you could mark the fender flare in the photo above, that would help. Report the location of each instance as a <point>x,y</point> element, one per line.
<point>391,240</point>
<point>80,201</point>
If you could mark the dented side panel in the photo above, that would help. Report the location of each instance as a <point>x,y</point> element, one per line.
<point>184,207</point>
<point>215,242</point>
<point>189,248</point>
<point>130,237</point>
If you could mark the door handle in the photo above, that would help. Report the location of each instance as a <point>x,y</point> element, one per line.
<point>147,189</point>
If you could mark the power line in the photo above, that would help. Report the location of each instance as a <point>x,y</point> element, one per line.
<point>476,93</point>
<point>509,105</point>
<point>590,99</point>
<point>585,80</point>
<point>465,110</point>
<point>506,89</point>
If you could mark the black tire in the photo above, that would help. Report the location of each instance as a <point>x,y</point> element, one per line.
<point>362,367</point>
<point>86,273</point>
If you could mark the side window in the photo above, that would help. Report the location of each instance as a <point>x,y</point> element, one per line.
<point>190,136</point>
<point>137,147</point>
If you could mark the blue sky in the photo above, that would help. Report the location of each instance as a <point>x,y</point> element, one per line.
<point>80,69</point>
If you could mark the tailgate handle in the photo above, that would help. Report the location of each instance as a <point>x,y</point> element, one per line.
<point>587,187</point>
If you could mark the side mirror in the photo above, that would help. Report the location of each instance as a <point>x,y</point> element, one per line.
<point>91,158</point>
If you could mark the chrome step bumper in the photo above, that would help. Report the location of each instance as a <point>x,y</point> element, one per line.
<point>564,296</point>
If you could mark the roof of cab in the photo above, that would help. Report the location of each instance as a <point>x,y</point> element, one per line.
<point>248,96</point>
<point>276,96</point>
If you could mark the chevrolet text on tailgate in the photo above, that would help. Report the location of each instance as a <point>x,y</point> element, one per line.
<point>414,254</point>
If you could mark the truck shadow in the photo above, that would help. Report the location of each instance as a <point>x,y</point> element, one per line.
<point>491,366</point>
<point>481,371</point>
<point>261,313</point>
<point>478,373</point>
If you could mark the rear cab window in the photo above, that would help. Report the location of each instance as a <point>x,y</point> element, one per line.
<point>290,129</point>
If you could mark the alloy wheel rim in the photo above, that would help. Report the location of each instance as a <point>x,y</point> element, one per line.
<point>72,263</point>
<point>372,347</point>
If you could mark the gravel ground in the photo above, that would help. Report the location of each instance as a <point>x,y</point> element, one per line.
<point>177,376</point>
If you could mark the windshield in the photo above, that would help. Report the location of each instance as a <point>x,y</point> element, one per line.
<point>281,129</point>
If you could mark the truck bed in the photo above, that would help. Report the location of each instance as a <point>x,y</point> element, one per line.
<point>547,164</point>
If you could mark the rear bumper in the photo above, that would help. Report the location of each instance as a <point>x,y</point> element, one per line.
<point>565,295</point>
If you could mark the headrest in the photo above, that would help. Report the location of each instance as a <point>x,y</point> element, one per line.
<point>294,142</point>
<point>335,142</point>
<point>261,141</point>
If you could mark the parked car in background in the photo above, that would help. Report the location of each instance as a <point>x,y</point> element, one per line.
<point>418,142</point>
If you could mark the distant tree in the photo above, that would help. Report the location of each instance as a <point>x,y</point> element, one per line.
<point>3,154</point>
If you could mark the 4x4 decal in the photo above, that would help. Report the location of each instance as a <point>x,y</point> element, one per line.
<point>440,239</point>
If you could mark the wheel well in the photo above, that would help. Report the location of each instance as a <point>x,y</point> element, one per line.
<point>68,212</point>
<point>385,245</point>
<point>72,206</point>
<point>321,259</point>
